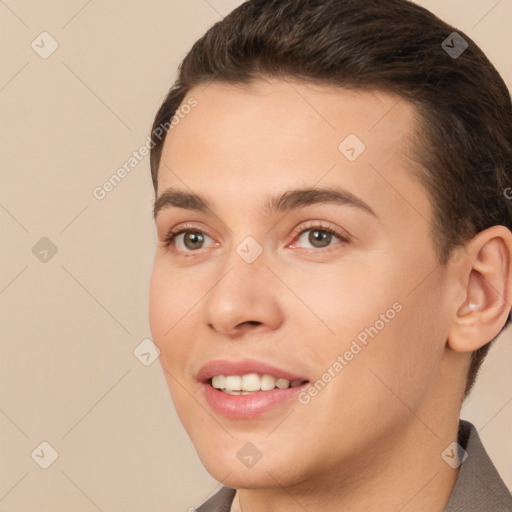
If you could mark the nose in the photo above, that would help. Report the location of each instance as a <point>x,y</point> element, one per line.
<point>245,300</point>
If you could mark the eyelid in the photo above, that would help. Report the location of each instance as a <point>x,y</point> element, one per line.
<point>343,235</point>
<point>170,235</point>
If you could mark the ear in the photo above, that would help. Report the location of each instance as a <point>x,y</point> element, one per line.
<point>486,290</point>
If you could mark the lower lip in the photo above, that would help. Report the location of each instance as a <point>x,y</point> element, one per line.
<point>248,406</point>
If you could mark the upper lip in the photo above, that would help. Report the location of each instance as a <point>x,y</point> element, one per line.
<point>243,367</point>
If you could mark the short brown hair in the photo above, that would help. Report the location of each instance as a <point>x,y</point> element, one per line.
<point>464,106</point>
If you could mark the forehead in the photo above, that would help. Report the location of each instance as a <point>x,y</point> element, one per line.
<point>271,136</point>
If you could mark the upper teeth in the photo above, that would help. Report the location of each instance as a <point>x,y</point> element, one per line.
<point>251,382</point>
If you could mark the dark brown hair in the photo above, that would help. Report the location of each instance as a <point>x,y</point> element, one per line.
<point>464,140</point>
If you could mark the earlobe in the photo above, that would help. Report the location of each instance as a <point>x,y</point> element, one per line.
<point>487,281</point>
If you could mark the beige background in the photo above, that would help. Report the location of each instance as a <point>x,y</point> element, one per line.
<point>69,325</point>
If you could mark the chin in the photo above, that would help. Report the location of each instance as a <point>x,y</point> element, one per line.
<point>245,478</point>
<point>233,467</point>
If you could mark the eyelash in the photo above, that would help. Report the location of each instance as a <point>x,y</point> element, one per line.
<point>172,235</point>
<point>319,226</point>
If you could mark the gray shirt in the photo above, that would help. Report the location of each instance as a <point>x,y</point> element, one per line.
<point>479,487</point>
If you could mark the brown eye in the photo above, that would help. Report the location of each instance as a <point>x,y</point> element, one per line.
<point>193,240</point>
<point>188,239</point>
<point>319,238</point>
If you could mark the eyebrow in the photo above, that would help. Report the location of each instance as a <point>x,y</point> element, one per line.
<point>172,197</point>
<point>289,200</point>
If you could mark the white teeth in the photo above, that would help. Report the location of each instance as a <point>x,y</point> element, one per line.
<point>267,383</point>
<point>251,383</point>
<point>219,381</point>
<point>234,382</point>
<point>282,383</point>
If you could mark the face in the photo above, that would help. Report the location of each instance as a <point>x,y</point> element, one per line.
<point>287,248</point>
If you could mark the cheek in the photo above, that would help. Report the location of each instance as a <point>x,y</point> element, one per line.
<point>399,364</point>
<point>389,341</point>
<point>170,300</point>
<point>376,380</point>
<point>341,301</point>
<point>174,317</point>
<point>158,303</point>
<point>165,310</point>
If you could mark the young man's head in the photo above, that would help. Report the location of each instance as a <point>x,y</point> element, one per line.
<point>330,200</point>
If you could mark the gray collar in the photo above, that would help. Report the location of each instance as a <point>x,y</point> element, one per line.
<point>479,487</point>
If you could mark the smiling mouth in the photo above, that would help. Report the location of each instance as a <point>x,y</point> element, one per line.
<point>251,383</point>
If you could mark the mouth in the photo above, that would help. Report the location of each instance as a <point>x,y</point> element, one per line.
<point>247,389</point>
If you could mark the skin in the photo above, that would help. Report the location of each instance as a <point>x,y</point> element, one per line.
<point>372,439</point>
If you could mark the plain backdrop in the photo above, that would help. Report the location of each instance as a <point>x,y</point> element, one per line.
<point>74,269</point>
